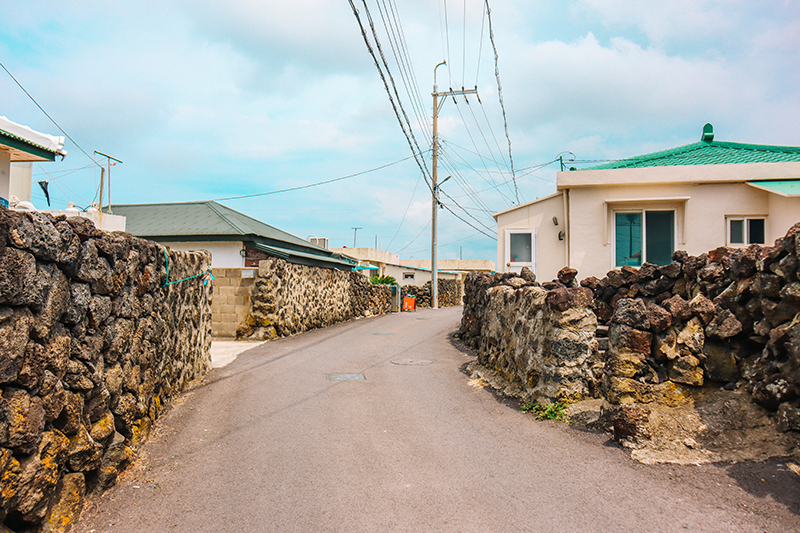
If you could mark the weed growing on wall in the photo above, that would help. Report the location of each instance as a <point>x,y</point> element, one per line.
<point>543,411</point>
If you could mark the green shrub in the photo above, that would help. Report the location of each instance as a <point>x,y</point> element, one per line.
<point>383,280</point>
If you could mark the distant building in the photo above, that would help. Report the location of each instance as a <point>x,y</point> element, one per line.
<point>695,197</point>
<point>234,239</point>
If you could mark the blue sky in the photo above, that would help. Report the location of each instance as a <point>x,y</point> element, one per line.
<point>202,100</point>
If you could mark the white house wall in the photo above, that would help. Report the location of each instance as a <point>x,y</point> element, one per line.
<point>550,251</point>
<point>224,254</point>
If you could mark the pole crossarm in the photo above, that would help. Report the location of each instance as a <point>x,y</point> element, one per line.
<point>452,93</point>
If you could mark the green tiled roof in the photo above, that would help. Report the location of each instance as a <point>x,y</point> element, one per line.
<point>707,152</point>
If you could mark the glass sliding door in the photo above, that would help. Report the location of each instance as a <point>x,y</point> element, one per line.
<point>644,236</point>
<point>660,236</point>
<point>629,239</point>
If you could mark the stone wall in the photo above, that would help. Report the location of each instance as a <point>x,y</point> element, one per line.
<point>231,302</point>
<point>288,299</point>
<point>450,293</point>
<point>729,317</point>
<point>542,342</point>
<point>93,347</point>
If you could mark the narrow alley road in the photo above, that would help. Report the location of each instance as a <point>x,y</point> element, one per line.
<point>281,440</point>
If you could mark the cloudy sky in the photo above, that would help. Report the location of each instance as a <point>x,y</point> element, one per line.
<point>207,100</point>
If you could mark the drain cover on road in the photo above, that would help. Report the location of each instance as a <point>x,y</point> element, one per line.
<point>412,362</point>
<point>383,333</point>
<point>346,377</point>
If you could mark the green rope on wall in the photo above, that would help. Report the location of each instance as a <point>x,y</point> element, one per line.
<point>208,275</point>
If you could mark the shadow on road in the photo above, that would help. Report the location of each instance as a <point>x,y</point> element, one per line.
<point>768,479</point>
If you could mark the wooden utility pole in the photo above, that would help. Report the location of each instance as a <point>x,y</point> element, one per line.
<point>434,178</point>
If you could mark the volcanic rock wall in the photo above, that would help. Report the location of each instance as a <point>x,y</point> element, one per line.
<point>542,341</point>
<point>92,347</point>
<point>729,317</point>
<point>288,299</point>
<point>448,296</point>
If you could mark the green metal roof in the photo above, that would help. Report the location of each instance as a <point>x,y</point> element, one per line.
<point>294,256</point>
<point>24,150</point>
<point>707,152</point>
<point>789,188</point>
<point>206,219</point>
<point>212,221</point>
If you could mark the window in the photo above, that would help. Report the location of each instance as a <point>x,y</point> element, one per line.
<point>746,230</point>
<point>644,236</point>
<point>520,247</point>
<point>408,275</point>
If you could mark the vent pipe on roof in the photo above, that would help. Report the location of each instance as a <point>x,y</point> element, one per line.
<point>708,133</point>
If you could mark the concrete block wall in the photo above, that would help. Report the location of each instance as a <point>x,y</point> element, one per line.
<point>230,303</point>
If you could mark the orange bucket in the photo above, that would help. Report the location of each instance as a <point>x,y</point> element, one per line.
<point>409,303</point>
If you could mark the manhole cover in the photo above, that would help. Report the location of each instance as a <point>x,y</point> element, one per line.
<point>346,377</point>
<point>412,362</point>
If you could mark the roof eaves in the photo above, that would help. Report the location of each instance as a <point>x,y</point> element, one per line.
<point>542,199</point>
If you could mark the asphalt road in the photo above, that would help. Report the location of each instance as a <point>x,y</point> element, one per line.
<point>269,443</point>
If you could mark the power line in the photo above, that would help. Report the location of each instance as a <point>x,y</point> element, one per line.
<point>415,238</point>
<point>413,192</point>
<point>408,134</point>
<point>47,115</point>
<point>313,184</point>
<point>467,223</point>
<point>500,93</point>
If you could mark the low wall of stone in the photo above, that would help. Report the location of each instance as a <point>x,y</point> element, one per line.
<point>450,293</point>
<point>93,345</point>
<point>287,299</point>
<point>730,317</point>
<point>540,341</point>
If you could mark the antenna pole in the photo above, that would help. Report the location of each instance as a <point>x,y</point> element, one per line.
<point>102,171</point>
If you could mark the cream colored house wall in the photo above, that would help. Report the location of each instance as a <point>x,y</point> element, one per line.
<point>550,252</point>
<point>784,213</point>
<point>466,265</point>
<point>700,219</point>
<point>421,277</point>
<point>701,195</point>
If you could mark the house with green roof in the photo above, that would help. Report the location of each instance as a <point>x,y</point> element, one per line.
<point>695,197</point>
<point>234,239</point>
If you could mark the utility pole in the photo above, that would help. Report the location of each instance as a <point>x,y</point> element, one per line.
<point>434,178</point>
<point>355,232</point>
<point>110,164</point>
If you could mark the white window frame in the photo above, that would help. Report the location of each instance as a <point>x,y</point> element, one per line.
<point>746,219</point>
<point>507,264</point>
<point>642,210</point>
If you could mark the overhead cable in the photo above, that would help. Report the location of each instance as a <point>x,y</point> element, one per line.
<point>500,93</point>
<point>48,115</point>
<point>416,151</point>
<point>307,186</point>
<point>467,223</point>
